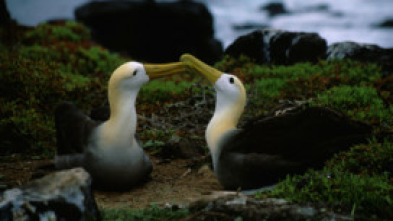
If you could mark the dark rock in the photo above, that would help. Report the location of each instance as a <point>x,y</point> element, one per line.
<point>234,206</point>
<point>274,8</point>
<point>364,53</point>
<point>279,47</point>
<point>4,14</point>
<point>246,26</point>
<point>388,23</point>
<point>318,8</point>
<point>64,195</point>
<point>154,32</point>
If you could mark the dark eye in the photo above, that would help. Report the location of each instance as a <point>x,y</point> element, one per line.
<point>231,80</point>
<point>134,73</point>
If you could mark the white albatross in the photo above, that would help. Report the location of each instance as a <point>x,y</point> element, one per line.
<point>267,149</point>
<point>109,150</point>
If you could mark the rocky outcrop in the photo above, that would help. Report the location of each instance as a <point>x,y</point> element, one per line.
<point>279,47</point>
<point>4,14</point>
<point>64,195</point>
<point>154,32</point>
<point>388,23</point>
<point>364,53</point>
<point>274,8</point>
<point>241,207</point>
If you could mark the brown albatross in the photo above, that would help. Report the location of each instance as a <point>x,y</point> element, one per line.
<point>265,151</point>
<point>108,150</point>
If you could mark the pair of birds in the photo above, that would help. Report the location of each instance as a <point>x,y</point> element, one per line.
<point>242,158</point>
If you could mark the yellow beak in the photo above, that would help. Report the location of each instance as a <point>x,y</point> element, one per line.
<point>161,70</point>
<point>198,66</point>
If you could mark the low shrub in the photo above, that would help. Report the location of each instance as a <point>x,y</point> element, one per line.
<point>363,195</point>
<point>52,62</point>
<point>151,213</point>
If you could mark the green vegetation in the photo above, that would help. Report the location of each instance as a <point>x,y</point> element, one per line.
<point>364,195</point>
<point>164,91</point>
<point>360,180</point>
<point>361,103</point>
<point>151,213</point>
<point>49,64</point>
<point>55,62</point>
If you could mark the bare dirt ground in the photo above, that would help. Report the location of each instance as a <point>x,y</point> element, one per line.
<point>172,182</point>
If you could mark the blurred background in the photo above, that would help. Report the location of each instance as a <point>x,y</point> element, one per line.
<point>363,21</point>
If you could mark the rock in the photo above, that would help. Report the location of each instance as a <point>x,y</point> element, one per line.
<point>236,206</point>
<point>64,195</point>
<point>279,47</point>
<point>249,25</point>
<point>364,53</point>
<point>388,23</point>
<point>274,8</point>
<point>5,18</point>
<point>318,8</point>
<point>153,32</point>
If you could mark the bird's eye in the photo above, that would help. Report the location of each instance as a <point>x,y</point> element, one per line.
<point>231,80</point>
<point>134,73</point>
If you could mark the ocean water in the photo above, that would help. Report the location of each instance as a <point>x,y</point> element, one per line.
<point>334,20</point>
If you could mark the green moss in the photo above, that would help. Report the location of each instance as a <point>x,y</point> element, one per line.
<point>301,70</point>
<point>94,60</point>
<point>52,63</point>
<point>371,195</point>
<point>51,33</point>
<point>362,103</point>
<point>229,64</point>
<point>269,89</point>
<point>148,214</point>
<point>371,159</point>
<point>39,53</point>
<point>352,72</point>
<point>164,91</point>
<point>350,97</point>
<point>358,180</point>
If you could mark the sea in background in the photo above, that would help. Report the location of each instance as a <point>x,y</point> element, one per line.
<point>334,20</point>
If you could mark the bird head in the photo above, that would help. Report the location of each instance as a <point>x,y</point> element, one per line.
<point>228,87</point>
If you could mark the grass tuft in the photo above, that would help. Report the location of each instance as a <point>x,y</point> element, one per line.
<point>151,213</point>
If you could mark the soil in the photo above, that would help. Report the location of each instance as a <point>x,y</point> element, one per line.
<point>173,181</point>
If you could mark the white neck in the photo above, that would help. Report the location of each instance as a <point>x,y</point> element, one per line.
<point>225,118</point>
<point>119,130</point>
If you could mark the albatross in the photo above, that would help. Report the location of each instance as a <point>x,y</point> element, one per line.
<point>263,152</point>
<point>109,150</point>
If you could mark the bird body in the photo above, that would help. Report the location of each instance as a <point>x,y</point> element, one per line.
<point>268,149</point>
<point>108,150</point>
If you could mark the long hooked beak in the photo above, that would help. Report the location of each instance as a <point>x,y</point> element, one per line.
<point>161,70</point>
<point>198,66</point>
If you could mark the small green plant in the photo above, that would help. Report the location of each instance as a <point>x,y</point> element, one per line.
<point>362,103</point>
<point>164,91</point>
<point>229,64</point>
<point>152,213</point>
<point>357,180</point>
<point>51,33</point>
<point>373,158</point>
<point>350,97</point>
<point>53,62</point>
<point>269,89</point>
<point>372,195</point>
